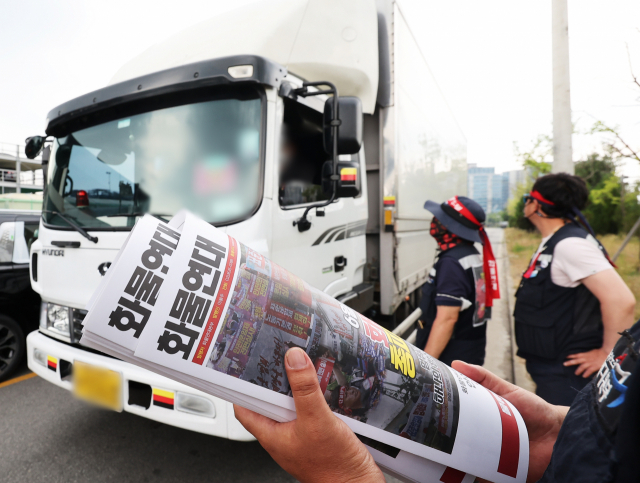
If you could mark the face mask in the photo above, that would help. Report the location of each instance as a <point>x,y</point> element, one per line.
<point>444,238</point>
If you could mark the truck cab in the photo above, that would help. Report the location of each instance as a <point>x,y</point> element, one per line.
<point>231,120</point>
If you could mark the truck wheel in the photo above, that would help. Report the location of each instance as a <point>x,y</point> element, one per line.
<point>12,346</point>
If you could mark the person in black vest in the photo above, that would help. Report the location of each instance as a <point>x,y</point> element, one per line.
<point>571,304</point>
<point>457,298</point>
<point>596,441</point>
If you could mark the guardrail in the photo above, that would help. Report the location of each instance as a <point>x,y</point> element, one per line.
<point>15,151</point>
<point>27,178</point>
<point>8,175</point>
<point>407,324</point>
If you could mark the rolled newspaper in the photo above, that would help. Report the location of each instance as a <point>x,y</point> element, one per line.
<point>192,303</point>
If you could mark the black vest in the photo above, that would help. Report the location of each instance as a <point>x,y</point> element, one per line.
<point>551,321</point>
<point>599,441</point>
<point>472,322</point>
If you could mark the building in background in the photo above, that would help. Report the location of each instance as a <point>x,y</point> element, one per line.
<point>493,191</point>
<point>478,185</point>
<point>486,188</point>
<point>17,173</point>
<point>512,180</point>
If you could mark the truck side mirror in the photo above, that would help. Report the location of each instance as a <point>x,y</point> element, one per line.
<point>349,181</point>
<point>350,128</point>
<point>33,146</point>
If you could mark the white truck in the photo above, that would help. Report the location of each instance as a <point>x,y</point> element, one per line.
<point>226,119</point>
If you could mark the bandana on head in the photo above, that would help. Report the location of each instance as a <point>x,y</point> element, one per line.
<point>576,213</point>
<point>444,238</point>
<point>490,266</point>
<point>537,196</point>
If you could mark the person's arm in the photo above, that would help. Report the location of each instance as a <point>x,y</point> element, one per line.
<point>446,318</point>
<point>617,305</point>
<point>543,420</point>
<point>317,446</point>
<point>340,377</point>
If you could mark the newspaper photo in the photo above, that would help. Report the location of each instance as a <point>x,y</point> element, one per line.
<point>366,373</point>
<point>226,316</point>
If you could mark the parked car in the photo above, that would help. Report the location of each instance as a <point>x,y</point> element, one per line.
<point>19,304</point>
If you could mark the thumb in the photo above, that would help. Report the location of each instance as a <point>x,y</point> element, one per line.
<point>310,402</point>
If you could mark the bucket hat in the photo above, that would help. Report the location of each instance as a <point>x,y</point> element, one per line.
<point>455,221</point>
<point>464,217</point>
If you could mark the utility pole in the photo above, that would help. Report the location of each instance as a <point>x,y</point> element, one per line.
<point>562,127</point>
<point>18,169</point>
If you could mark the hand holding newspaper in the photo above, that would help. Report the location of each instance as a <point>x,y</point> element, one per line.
<point>187,301</point>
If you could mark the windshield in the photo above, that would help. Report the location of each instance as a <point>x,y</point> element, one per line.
<point>205,157</point>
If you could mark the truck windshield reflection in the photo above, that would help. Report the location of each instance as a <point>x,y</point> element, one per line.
<point>205,157</point>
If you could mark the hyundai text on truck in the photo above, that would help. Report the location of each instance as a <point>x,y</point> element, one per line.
<point>234,119</point>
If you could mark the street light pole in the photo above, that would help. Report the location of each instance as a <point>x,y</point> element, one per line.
<point>562,127</point>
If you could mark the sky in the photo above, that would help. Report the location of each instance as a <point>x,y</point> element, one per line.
<point>491,59</point>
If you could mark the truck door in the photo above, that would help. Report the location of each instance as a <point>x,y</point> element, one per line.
<point>332,251</point>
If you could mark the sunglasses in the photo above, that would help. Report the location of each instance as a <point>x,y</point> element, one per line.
<point>526,198</point>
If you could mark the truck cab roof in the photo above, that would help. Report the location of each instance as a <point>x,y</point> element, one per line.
<point>287,32</point>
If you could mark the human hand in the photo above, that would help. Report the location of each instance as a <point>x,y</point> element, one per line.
<point>587,362</point>
<point>543,420</point>
<point>317,446</point>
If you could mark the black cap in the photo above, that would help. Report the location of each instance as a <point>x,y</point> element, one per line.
<point>454,221</point>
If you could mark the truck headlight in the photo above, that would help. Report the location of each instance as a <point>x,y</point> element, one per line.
<point>57,319</point>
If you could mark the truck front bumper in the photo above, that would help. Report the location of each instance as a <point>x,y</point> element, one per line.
<point>52,360</point>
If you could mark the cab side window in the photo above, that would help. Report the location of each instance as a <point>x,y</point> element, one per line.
<point>31,233</point>
<point>301,155</point>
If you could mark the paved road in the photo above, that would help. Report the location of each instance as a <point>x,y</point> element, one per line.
<point>499,335</point>
<point>48,436</point>
<point>501,356</point>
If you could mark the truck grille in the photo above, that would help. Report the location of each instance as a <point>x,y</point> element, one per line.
<point>77,318</point>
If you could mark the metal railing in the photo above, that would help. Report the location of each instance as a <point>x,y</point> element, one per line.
<point>16,151</point>
<point>27,178</point>
<point>8,175</point>
<point>24,175</point>
<point>407,324</point>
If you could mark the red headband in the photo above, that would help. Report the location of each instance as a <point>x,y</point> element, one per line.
<point>537,196</point>
<point>490,266</point>
<point>460,208</point>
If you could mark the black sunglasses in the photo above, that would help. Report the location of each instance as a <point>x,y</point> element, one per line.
<point>526,198</point>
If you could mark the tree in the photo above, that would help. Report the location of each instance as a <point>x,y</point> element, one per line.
<point>614,144</point>
<point>536,161</point>
<point>603,207</point>
<point>618,149</point>
<point>516,209</point>
<point>599,172</point>
<point>595,170</point>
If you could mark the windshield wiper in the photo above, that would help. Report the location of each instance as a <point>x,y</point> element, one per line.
<point>77,228</point>
<point>159,216</point>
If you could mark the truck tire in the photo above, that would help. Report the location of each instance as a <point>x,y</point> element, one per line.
<point>12,346</point>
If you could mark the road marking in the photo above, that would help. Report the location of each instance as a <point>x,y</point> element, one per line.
<point>18,379</point>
